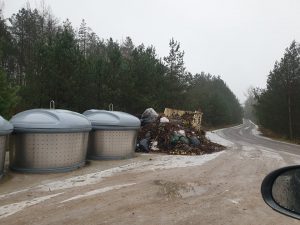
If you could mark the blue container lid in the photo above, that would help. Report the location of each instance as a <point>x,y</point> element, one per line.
<point>5,126</point>
<point>112,120</point>
<point>50,121</point>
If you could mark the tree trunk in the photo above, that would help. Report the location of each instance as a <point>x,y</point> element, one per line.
<point>290,118</point>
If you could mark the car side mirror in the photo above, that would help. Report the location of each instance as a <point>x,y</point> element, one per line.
<point>281,191</point>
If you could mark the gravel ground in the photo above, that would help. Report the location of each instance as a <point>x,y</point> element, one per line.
<point>219,188</point>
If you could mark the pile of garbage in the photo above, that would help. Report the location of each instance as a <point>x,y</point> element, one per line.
<point>173,135</point>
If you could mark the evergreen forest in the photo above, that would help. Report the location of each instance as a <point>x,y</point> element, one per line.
<point>277,107</point>
<point>42,59</point>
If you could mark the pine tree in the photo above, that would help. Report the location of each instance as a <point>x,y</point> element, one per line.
<point>175,76</point>
<point>8,97</point>
<point>83,35</point>
<point>281,97</point>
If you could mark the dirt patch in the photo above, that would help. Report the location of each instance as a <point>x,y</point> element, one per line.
<point>172,190</point>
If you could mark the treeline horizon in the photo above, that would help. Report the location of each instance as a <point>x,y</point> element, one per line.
<point>43,60</point>
<point>277,107</point>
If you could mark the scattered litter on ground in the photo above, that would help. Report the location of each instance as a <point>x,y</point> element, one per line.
<point>175,134</point>
<point>164,120</point>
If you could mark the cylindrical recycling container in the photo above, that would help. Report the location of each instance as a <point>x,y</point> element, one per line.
<point>113,135</point>
<point>5,129</point>
<point>48,140</point>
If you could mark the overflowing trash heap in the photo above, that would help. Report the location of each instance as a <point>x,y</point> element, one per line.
<point>174,134</point>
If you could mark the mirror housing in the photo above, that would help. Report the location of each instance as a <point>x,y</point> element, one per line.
<point>273,179</point>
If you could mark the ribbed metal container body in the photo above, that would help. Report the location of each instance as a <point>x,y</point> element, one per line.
<point>48,152</point>
<point>112,144</point>
<point>2,153</point>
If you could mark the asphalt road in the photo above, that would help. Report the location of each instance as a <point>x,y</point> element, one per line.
<point>247,134</point>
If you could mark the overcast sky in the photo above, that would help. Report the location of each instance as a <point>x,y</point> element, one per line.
<point>240,40</point>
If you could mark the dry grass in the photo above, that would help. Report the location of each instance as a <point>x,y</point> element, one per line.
<point>270,134</point>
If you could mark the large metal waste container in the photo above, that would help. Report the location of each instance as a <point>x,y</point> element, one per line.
<point>5,129</point>
<point>113,135</point>
<point>46,140</point>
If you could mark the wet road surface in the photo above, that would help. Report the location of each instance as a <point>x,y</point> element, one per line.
<point>247,134</point>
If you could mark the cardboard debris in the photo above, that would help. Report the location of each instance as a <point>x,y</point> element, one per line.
<point>195,121</point>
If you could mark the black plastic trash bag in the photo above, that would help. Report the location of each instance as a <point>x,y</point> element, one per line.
<point>194,141</point>
<point>144,145</point>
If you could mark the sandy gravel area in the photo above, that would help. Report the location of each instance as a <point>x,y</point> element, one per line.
<point>220,188</point>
